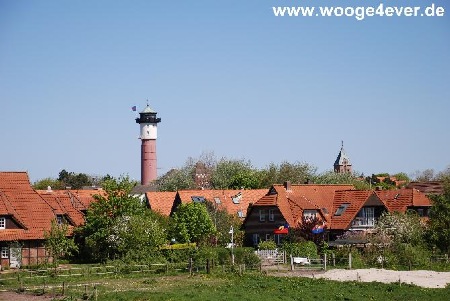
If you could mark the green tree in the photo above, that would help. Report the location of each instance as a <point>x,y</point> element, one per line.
<point>192,223</point>
<point>439,223</point>
<point>58,243</point>
<point>298,173</point>
<point>119,225</point>
<point>424,175</point>
<point>74,180</point>
<point>230,173</point>
<point>331,177</point>
<point>399,240</point>
<point>223,221</point>
<point>48,182</point>
<point>177,179</point>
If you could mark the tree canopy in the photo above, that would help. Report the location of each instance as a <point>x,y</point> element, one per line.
<point>119,225</point>
<point>192,223</point>
<point>439,223</point>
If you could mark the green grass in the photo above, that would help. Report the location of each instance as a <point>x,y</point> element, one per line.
<point>252,287</point>
<point>229,287</point>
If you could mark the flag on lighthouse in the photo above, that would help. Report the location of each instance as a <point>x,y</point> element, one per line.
<point>133,108</point>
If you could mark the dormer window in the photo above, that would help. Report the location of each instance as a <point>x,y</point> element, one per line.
<point>341,209</point>
<point>59,219</point>
<point>2,223</point>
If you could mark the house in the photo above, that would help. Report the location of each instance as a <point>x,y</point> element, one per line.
<point>26,214</point>
<point>354,210</point>
<point>288,205</point>
<point>358,210</point>
<point>70,206</point>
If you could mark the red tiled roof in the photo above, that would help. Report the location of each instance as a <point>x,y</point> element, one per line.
<point>300,197</point>
<point>63,202</point>
<point>25,205</point>
<point>401,199</point>
<point>161,202</point>
<point>355,200</point>
<point>242,198</point>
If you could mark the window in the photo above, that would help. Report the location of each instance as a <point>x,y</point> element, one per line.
<point>309,214</point>
<point>271,215</point>
<point>341,209</point>
<point>198,199</point>
<point>5,252</point>
<point>2,223</point>
<point>256,239</point>
<point>268,237</point>
<point>59,219</point>
<point>236,198</point>
<point>420,212</point>
<point>240,213</point>
<point>262,215</point>
<point>365,217</point>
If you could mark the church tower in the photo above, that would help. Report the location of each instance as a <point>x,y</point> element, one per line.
<point>342,163</point>
<point>148,122</point>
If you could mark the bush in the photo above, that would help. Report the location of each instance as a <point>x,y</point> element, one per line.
<point>301,249</point>
<point>246,256</point>
<point>179,255</point>
<point>267,245</point>
<point>206,253</point>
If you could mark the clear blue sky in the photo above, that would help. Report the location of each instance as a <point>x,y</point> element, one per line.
<point>224,76</point>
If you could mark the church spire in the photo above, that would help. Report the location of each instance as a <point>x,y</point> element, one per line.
<point>342,163</point>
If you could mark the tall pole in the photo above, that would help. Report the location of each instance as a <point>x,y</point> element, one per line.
<point>232,245</point>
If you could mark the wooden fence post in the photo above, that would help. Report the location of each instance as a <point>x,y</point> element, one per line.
<point>325,261</point>
<point>350,260</point>
<point>292,262</point>
<point>190,266</point>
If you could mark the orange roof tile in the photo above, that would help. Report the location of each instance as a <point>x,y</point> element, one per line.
<point>401,199</point>
<point>354,199</point>
<point>235,202</point>
<point>24,205</point>
<point>300,197</point>
<point>161,202</point>
<point>64,203</point>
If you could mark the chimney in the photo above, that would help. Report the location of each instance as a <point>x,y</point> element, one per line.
<point>287,185</point>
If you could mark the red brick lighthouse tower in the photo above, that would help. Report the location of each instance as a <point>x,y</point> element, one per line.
<point>148,122</point>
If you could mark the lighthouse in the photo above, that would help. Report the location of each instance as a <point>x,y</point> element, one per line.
<point>148,122</point>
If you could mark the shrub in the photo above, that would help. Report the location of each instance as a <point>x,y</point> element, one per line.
<point>267,245</point>
<point>206,253</point>
<point>301,249</point>
<point>246,256</point>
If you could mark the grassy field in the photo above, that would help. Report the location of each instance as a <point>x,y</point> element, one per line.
<point>219,286</point>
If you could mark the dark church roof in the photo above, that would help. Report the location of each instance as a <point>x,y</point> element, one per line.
<point>342,157</point>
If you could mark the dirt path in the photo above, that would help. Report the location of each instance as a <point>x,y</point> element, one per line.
<point>429,279</point>
<point>8,296</point>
